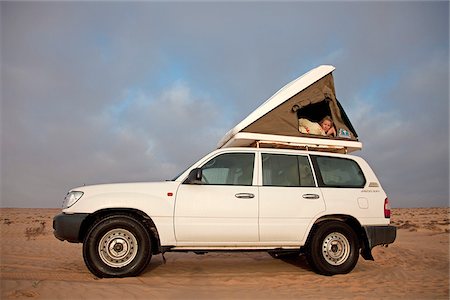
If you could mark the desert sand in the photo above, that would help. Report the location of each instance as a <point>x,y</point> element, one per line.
<point>34,264</point>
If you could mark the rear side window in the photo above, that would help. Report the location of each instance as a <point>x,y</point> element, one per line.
<point>286,170</point>
<point>338,172</point>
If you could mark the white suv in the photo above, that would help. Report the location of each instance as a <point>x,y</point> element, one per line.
<point>247,195</point>
<point>329,206</point>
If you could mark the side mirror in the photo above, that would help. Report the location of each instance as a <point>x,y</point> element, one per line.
<point>194,177</point>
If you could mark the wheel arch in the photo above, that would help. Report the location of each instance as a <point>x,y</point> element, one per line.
<point>350,221</point>
<point>135,213</point>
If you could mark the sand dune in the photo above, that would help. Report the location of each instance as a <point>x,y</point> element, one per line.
<point>34,264</point>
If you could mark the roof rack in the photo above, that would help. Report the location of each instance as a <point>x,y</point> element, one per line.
<point>298,146</point>
<point>257,140</point>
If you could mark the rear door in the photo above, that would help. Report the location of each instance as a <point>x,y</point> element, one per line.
<point>289,198</point>
<point>342,184</point>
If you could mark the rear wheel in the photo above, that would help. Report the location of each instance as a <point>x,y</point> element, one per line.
<point>333,249</point>
<point>117,246</point>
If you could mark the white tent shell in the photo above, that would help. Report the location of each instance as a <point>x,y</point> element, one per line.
<point>261,126</point>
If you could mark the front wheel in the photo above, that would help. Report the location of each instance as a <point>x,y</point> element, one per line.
<point>117,246</point>
<point>333,249</point>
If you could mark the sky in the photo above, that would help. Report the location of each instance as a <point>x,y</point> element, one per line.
<point>101,92</point>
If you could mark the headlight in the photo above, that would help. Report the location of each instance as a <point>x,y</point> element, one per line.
<point>71,198</point>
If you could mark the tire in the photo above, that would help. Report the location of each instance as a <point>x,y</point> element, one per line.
<point>333,249</point>
<point>117,246</point>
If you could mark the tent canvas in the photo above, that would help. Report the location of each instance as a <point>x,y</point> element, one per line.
<point>311,96</point>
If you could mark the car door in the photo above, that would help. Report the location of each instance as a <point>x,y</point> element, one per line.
<point>342,183</point>
<point>223,207</point>
<point>289,198</point>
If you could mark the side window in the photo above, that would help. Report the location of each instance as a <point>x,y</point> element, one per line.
<point>286,170</point>
<point>229,169</point>
<point>339,172</point>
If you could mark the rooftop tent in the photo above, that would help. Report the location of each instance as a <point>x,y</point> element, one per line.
<point>311,96</point>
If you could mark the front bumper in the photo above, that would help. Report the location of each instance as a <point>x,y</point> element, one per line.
<point>67,227</point>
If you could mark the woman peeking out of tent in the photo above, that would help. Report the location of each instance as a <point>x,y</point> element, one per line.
<point>324,127</point>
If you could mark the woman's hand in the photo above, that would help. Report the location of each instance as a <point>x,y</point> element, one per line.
<point>331,131</point>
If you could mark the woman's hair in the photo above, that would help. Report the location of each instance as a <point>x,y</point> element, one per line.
<point>327,118</point>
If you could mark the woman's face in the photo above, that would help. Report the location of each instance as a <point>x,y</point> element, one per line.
<point>326,125</point>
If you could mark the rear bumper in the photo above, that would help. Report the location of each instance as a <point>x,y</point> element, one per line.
<point>67,227</point>
<point>377,235</point>
<point>380,235</point>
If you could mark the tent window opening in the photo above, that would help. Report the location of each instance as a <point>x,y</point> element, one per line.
<point>315,112</point>
<point>310,116</point>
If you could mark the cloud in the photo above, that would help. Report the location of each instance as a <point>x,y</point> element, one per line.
<point>176,120</point>
<point>150,138</point>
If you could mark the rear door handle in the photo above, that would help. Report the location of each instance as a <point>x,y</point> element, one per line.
<point>245,195</point>
<point>310,196</point>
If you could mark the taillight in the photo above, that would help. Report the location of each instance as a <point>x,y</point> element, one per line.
<point>387,208</point>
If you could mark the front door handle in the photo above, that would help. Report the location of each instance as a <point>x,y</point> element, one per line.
<point>310,196</point>
<point>245,195</point>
